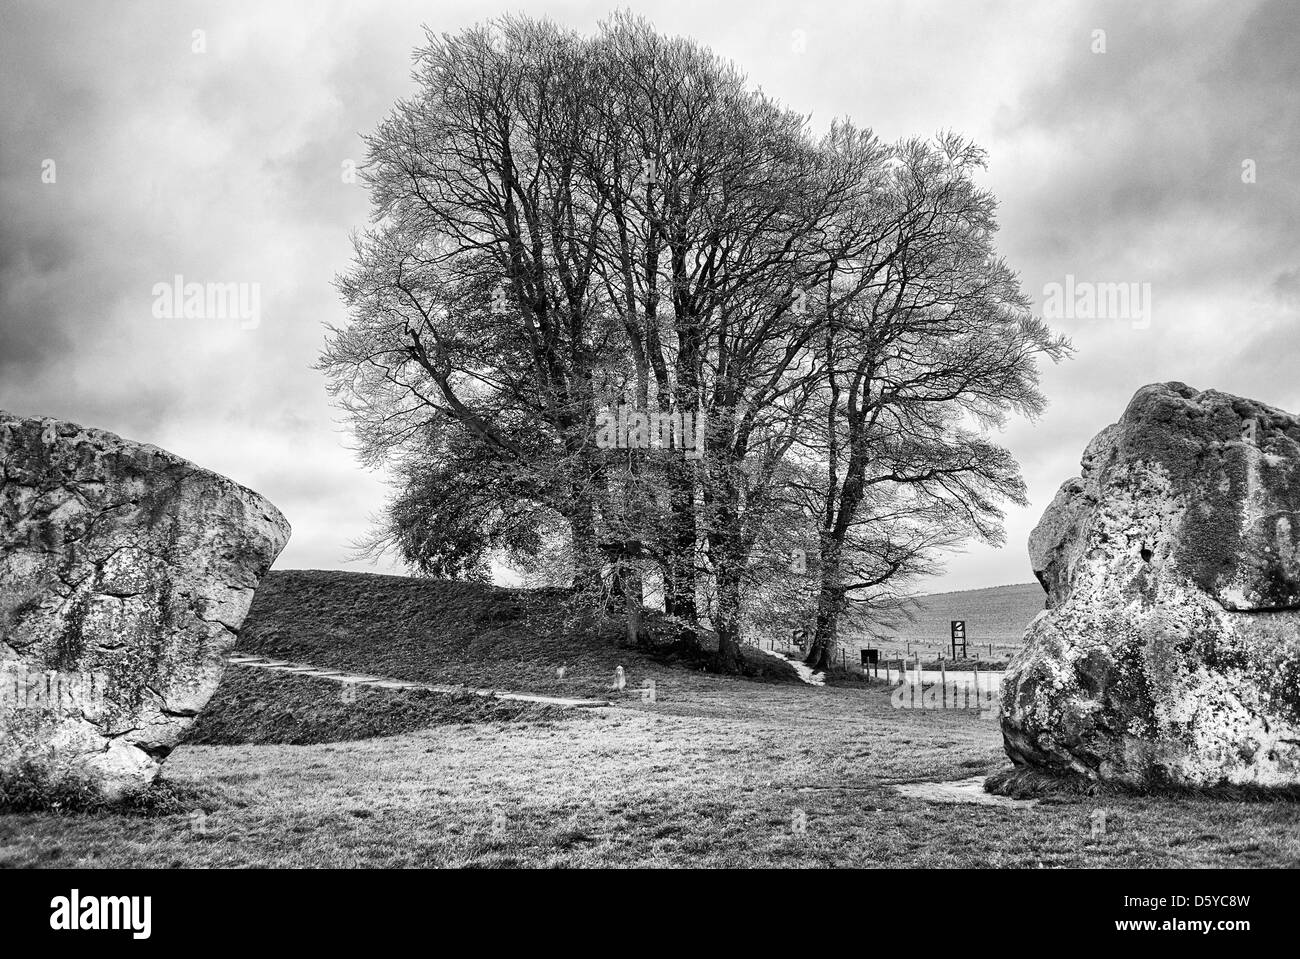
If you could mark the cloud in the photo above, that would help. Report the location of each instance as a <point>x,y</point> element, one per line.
<point>225,166</point>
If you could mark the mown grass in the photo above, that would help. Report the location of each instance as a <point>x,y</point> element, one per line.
<point>713,777</point>
<point>718,771</point>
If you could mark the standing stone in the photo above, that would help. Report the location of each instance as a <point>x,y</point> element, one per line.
<point>1169,652</point>
<point>125,572</point>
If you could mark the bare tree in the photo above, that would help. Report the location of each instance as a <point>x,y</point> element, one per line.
<point>927,343</point>
<point>563,225</point>
<point>472,300</point>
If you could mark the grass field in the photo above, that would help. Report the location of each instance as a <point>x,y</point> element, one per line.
<point>718,771</point>
<point>995,619</point>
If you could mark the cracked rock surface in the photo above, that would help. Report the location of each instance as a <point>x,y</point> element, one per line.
<point>1169,651</point>
<point>125,573</point>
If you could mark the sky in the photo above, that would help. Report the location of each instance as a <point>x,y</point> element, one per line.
<point>1156,145</point>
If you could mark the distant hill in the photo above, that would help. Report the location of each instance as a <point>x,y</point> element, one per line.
<point>997,615</point>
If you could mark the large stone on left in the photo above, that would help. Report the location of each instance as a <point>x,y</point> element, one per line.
<point>125,573</point>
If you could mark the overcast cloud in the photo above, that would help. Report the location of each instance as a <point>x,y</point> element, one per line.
<point>225,166</point>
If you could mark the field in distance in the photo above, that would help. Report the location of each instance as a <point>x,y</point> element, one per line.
<point>995,616</point>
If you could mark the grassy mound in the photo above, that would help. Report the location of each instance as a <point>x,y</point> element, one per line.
<point>430,631</point>
<point>260,707</point>
<point>438,631</point>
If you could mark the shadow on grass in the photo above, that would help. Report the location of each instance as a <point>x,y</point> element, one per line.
<point>259,707</point>
<point>754,665</point>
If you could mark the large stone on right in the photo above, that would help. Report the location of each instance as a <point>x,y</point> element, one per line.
<point>1169,651</point>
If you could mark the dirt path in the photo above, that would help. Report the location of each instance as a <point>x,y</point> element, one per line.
<point>382,682</point>
<point>806,675</point>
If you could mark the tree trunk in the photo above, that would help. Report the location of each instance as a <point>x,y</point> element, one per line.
<point>727,625</point>
<point>587,560</point>
<point>727,658</point>
<point>634,599</point>
<point>616,590</point>
<point>821,655</point>
<point>679,576</point>
<point>830,603</point>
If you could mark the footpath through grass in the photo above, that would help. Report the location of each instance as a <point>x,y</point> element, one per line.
<point>256,707</point>
<point>718,771</point>
<point>722,776</point>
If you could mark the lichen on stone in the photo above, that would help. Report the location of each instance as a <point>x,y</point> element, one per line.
<point>112,556</point>
<point>1169,651</point>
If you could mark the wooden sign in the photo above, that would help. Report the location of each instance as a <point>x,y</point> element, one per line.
<point>958,637</point>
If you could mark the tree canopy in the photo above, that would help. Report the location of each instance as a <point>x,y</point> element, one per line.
<point>578,235</point>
